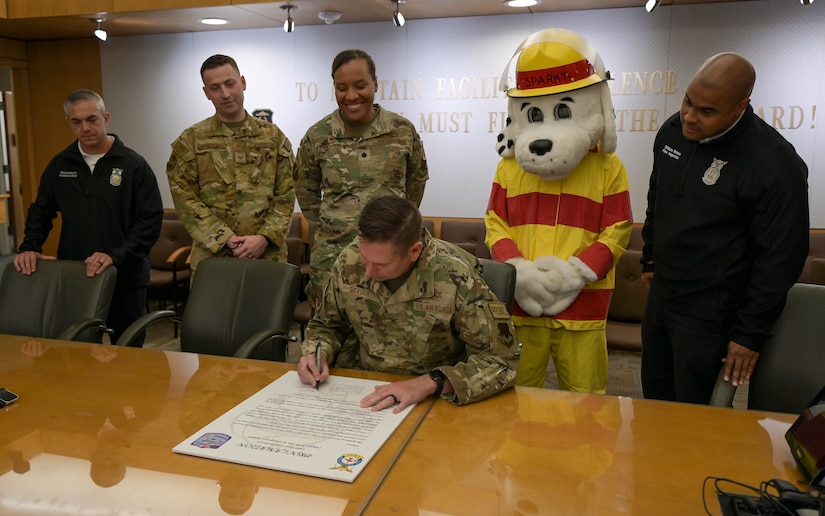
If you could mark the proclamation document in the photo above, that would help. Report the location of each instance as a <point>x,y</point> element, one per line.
<point>291,426</point>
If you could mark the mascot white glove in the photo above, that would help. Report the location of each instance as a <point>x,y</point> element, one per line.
<point>534,288</point>
<point>549,284</point>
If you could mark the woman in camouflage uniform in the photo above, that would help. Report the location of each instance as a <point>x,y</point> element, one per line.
<point>356,153</point>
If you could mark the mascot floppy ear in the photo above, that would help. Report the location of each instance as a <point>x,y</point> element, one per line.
<point>609,138</point>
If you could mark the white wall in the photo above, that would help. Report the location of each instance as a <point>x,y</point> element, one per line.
<point>153,90</point>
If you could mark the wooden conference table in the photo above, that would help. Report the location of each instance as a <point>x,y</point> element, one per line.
<point>533,451</point>
<point>94,428</point>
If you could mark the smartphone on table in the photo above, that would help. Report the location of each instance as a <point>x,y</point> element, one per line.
<point>7,397</point>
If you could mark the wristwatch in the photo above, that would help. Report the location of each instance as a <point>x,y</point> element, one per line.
<point>438,377</point>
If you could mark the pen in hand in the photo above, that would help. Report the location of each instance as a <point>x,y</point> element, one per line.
<point>319,363</point>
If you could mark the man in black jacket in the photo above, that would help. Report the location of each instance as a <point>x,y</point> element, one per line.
<point>726,235</point>
<point>111,207</point>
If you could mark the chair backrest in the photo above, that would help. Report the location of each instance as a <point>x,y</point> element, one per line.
<point>296,251</point>
<point>791,367</point>
<point>460,231</point>
<point>56,296</point>
<point>4,259</point>
<point>231,299</point>
<point>630,292</point>
<point>816,251</point>
<point>173,236</point>
<point>294,230</point>
<point>501,278</point>
<point>635,242</point>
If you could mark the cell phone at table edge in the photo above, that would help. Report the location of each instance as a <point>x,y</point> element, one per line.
<point>7,397</point>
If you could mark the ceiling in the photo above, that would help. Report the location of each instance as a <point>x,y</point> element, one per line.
<point>75,23</point>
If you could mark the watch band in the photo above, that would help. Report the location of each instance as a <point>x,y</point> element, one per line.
<point>438,377</point>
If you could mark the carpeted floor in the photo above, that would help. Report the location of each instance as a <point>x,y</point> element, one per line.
<point>622,374</point>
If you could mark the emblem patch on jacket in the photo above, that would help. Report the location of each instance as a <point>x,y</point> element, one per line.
<point>263,114</point>
<point>117,177</point>
<point>713,172</point>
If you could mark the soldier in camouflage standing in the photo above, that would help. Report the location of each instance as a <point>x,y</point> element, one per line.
<point>231,175</point>
<point>417,305</point>
<point>358,152</point>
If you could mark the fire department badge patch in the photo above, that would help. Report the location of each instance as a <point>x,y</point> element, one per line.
<point>117,177</point>
<point>713,172</point>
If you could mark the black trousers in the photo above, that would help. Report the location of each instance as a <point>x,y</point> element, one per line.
<point>128,305</point>
<point>681,355</point>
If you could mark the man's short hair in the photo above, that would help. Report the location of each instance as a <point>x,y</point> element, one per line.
<point>83,94</point>
<point>390,219</point>
<point>218,60</point>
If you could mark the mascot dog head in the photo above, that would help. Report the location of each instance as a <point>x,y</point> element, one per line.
<point>560,108</point>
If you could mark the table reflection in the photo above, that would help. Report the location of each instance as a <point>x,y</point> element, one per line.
<point>535,451</point>
<point>94,428</point>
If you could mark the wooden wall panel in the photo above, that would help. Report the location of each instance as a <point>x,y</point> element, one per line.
<point>56,68</point>
<point>159,5</point>
<point>12,52</point>
<point>17,9</point>
<point>44,8</point>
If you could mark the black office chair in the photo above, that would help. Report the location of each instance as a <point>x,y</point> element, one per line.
<point>4,259</point>
<point>501,278</point>
<point>58,301</point>
<point>791,367</point>
<point>240,308</point>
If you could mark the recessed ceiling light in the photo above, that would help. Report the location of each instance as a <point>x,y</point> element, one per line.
<point>214,21</point>
<point>521,3</point>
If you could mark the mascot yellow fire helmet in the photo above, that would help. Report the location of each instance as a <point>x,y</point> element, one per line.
<point>553,61</point>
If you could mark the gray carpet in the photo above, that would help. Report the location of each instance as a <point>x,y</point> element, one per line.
<point>622,374</point>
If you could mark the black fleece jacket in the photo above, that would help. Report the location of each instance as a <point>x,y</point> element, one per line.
<point>727,225</point>
<point>117,210</point>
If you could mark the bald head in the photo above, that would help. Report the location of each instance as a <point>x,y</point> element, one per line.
<point>717,96</point>
<point>730,74</point>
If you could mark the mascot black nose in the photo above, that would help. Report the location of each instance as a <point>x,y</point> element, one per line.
<point>541,147</point>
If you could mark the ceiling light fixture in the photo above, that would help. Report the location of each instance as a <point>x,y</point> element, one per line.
<point>289,24</point>
<point>213,21</point>
<point>806,2</point>
<point>329,17</point>
<point>397,17</point>
<point>652,4</point>
<point>521,3</point>
<point>100,33</point>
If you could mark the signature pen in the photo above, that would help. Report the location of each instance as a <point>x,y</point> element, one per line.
<point>319,362</point>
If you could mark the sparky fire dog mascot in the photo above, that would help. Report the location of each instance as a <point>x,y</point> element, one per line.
<point>560,209</point>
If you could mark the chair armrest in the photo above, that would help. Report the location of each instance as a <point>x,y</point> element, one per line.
<point>180,256</point>
<point>74,331</point>
<point>723,391</point>
<point>256,339</point>
<point>139,326</point>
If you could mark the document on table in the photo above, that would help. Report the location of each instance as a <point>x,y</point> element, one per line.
<point>291,426</point>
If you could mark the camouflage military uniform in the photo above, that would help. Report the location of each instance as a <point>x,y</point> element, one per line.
<point>336,175</point>
<point>227,182</point>
<point>443,316</point>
